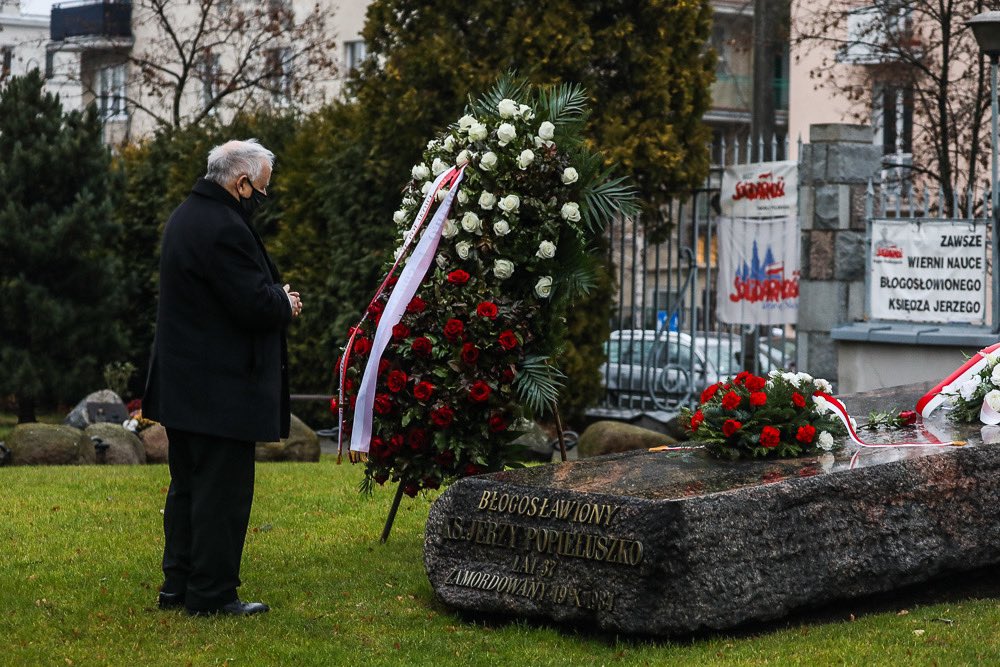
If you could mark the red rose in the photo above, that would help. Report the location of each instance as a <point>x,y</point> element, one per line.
<point>470,353</point>
<point>423,391</point>
<point>730,426</point>
<point>507,376</point>
<point>805,434</point>
<point>348,385</point>
<point>411,489</point>
<point>362,345</point>
<point>400,331</point>
<point>731,400</point>
<point>907,417</point>
<point>375,308</point>
<point>379,451</point>
<point>696,419</point>
<point>479,392</point>
<point>458,277</point>
<point>507,340</point>
<point>333,404</point>
<point>487,309</point>
<point>416,305</point>
<point>755,383</point>
<point>497,423</point>
<point>441,417</point>
<point>709,392</point>
<point>472,469</point>
<point>395,443</point>
<point>383,404</point>
<point>381,478</point>
<point>383,366</point>
<point>391,281</point>
<point>431,483</point>
<point>770,437</point>
<point>445,458</point>
<point>798,400</point>
<point>758,398</point>
<point>422,346</point>
<point>453,329</point>
<point>417,439</point>
<point>396,381</point>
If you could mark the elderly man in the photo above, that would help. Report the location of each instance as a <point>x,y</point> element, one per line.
<point>218,378</point>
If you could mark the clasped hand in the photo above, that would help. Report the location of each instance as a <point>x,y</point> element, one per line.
<point>294,300</point>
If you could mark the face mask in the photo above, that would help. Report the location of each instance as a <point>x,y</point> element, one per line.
<point>253,202</point>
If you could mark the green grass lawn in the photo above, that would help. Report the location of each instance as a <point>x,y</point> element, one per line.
<point>79,571</point>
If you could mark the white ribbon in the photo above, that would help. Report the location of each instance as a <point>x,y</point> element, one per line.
<point>409,281</point>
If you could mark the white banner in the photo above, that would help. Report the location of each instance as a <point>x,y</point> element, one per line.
<point>928,271</point>
<point>758,280</point>
<point>760,190</point>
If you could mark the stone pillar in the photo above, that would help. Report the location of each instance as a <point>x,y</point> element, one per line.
<point>834,168</point>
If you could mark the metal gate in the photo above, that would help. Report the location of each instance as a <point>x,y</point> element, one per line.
<point>666,344</point>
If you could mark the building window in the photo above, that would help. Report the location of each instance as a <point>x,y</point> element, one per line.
<point>208,72</point>
<point>50,64</point>
<point>893,118</point>
<point>354,53</point>
<point>279,68</point>
<point>6,61</point>
<point>111,92</point>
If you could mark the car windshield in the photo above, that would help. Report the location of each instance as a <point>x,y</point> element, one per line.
<point>724,354</point>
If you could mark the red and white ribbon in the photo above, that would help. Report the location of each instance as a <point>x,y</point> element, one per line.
<point>404,290</point>
<point>951,384</point>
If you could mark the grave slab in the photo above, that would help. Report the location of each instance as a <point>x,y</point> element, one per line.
<point>669,543</point>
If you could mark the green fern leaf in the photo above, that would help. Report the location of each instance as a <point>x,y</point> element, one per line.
<point>538,384</point>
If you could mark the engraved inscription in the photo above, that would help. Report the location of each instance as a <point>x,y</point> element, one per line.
<point>599,514</point>
<point>532,589</point>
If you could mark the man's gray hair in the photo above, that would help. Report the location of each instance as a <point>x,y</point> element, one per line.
<point>228,162</point>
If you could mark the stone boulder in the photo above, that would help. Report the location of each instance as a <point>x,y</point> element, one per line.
<point>124,447</point>
<point>302,444</point>
<point>49,444</point>
<point>154,441</point>
<point>610,437</point>
<point>78,417</point>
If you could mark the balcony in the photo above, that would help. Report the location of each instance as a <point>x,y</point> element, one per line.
<point>106,18</point>
<point>735,93</point>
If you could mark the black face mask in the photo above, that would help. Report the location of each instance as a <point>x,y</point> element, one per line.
<point>253,202</point>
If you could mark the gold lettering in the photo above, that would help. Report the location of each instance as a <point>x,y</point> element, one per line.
<point>485,500</point>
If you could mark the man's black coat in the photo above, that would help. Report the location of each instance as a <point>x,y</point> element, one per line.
<point>219,360</point>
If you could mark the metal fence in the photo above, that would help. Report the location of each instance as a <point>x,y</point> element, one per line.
<point>666,344</point>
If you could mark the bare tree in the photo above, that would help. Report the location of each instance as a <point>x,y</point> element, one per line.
<point>913,54</point>
<point>192,58</point>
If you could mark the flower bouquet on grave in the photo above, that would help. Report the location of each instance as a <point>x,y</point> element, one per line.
<point>457,350</point>
<point>782,415</point>
<point>977,398</point>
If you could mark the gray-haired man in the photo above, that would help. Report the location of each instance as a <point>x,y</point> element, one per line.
<point>218,378</point>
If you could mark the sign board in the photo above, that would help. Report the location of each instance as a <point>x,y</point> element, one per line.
<point>760,190</point>
<point>114,413</point>
<point>928,271</point>
<point>758,280</point>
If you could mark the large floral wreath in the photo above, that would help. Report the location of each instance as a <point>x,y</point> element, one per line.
<point>472,355</point>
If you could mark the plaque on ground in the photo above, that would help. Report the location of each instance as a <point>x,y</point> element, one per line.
<point>674,542</point>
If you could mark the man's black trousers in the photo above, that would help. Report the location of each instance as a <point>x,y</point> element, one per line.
<point>206,516</point>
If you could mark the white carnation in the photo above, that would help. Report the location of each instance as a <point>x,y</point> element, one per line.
<point>449,229</point>
<point>471,223</point>
<point>507,108</point>
<point>439,166</point>
<point>477,132</point>
<point>509,204</point>
<point>503,269</point>
<point>791,378</point>
<point>420,172</point>
<point>506,133</point>
<point>803,377</point>
<point>525,159</point>
<point>969,388</point>
<point>570,176</point>
<point>546,130</point>
<point>821,405</point>
<point>543,287</point>
<point>487,200</point>
<point>570,211</point>
<point>825,441</point>
<point>546,250</point>
<point>488,161</point>
<point>501,228</point>
<point>824,386</point>
<point>463,248</point>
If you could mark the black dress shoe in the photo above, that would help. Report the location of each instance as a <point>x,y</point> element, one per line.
<point>170,600</point>
<point>234,608</point>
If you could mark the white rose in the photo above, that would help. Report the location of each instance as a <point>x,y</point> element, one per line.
<point>478,132</point>
<point>399,217</point>
<point>432,144</point>
<point>426,187</point>
<point>525,159</point>
<point>570,176</point>
<point>542,143</point>
<point>462,159</point>
<point>995,376</point>
<point>509,204</point>
<point>525,112</point>
<point>439,166</point>
<point>487,200</point>
<point>449,143</point>
<point>462,196</point>
<point>506,133</point>
<point>463,248</point>
<point>993,399</point>
<point>488,161</point>
<point>420,172</point>
<point>441,194</point>
<point>507,108</point>
<point>969,388</point>
<point>501,228</point>
<point>543,287</point>
<point>471,223</point>
<point>503,269</point>
<point>546,130</point>
<point>825,441</point>
<point>441,261</point>
<point>449,229</point>
<point>409,201</point>
<point>570,211</point>
<point>546,250</point>
<point>466,121</point>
